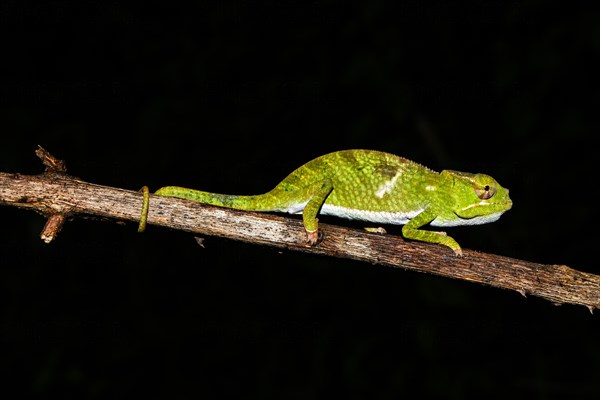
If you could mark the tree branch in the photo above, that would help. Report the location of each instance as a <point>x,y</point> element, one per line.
<point>58,196</point>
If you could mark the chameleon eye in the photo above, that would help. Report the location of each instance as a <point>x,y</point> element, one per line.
<point>485,192</point>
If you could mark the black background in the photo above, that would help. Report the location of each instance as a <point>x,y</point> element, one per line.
<point>232,96</point>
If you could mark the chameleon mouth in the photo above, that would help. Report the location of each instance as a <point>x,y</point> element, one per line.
<point>506,205</point>
<point>465,221</point>
<point>483,219</point>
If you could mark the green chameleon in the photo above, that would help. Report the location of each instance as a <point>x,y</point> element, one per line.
<point>375,187</point>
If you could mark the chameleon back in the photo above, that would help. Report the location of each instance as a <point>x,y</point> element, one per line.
<point>367,185</point>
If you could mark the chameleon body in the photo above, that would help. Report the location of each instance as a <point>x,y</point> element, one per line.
<point>375,187</point>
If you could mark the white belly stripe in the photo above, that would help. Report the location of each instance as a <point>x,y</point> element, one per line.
<point>395,218</point>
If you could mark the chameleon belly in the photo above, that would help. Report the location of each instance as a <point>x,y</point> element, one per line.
<point>381,217</point>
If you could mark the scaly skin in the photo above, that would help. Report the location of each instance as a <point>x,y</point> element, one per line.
<point>376,187</point>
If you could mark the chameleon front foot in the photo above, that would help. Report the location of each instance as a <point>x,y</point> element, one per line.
<point>379,230</point>
<point>431,237</point>
<point>448,241</point>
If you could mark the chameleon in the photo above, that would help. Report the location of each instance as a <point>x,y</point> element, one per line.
<point>375,187</point>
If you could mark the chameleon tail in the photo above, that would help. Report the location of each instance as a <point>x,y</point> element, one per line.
<point>263,202</point>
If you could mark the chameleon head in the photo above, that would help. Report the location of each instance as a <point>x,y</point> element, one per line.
<point>477,198</point>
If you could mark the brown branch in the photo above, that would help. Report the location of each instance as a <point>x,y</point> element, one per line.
<point>54,167</point>
<point>58,196</point>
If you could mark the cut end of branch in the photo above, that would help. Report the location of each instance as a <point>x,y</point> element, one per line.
<point>53,164</point>
<point>52,227</point>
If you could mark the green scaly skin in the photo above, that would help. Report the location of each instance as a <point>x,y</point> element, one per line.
<point>376,187</point>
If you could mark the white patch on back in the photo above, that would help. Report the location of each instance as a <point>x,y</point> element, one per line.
<point>387,186</point>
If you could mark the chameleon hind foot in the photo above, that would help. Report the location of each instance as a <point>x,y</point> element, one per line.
<point>312,238</point>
